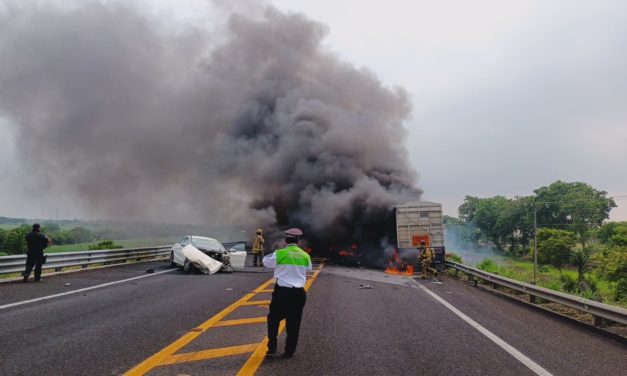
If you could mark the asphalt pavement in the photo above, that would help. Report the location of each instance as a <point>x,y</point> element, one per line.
<point>356,322</point>
<point>396,328</point>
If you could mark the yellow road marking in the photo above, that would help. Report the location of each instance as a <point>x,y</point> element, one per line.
<point>256,302</point>
<point>251,320</point>
<point>255,360</point>
<point>155,360</point>
<point>209,354</point>
<point>166,356</point>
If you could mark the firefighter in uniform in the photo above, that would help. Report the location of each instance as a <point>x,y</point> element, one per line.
<point>425,257</point>
<point>36,242</point>
<point>258,248</point>
<point>291,265</point>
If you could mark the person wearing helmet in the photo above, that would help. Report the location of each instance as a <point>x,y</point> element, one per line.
<point>258,248</point>
<point>291,265</point>
<point>425,257</point>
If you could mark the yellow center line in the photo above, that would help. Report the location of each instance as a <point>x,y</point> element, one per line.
<point>209,354</point>
<point>156,359</point>
<point>266,291</point>
<point>255,360</point>
<point>251,320</point>
<point>255,302</point>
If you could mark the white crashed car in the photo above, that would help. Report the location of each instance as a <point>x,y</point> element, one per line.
<point>198,252</point>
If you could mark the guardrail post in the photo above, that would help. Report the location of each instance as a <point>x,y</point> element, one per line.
<point>532,298</point>
<point>84,266</point>
<point>57,269</point>
<point>597,321</point>
<point>473,280</point>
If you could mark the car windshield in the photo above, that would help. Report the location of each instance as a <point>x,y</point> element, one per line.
<point>207,244</point>
<point>239,247</point>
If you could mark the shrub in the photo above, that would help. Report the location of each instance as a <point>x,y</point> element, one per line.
<point>553,285</point>
<point>105,244</point>
<point>454,257</point>
<point>569,283</point>
<point>488,265</point>
<point>543,269</point>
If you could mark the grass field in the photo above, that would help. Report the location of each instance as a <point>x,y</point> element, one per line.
<point>128,243</point>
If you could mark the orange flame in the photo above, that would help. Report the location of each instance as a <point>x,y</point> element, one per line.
<point>409,271</point>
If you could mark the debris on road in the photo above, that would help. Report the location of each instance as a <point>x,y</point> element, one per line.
<point>229,289</point>
<point>150,270</point>
<point>436,282</point>
<point>67,284</point>
<point>366,287</point>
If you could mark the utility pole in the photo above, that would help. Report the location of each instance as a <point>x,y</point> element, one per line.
<point>535,243</point>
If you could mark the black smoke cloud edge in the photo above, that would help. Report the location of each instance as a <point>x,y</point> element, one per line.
<point>268,128</point>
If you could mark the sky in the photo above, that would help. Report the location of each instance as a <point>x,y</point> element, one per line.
<point>506,96</point>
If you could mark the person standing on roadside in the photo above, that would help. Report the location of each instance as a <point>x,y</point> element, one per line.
<point>258,248</point>
<point>36,242</point>
<point>291,265</point>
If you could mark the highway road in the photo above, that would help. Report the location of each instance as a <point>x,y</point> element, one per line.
<point>114,320</point>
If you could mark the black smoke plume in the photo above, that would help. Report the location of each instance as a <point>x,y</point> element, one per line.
<point>253,123</point>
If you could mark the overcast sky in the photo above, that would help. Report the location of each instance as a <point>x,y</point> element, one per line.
<point>507,96</point>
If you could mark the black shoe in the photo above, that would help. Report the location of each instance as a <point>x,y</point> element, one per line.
<point>271,354</point>
<point>38,280</point>
<point>25,279</point>
<point>287,356</point>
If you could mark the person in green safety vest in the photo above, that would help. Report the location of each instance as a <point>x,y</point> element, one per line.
<point>291,265</point>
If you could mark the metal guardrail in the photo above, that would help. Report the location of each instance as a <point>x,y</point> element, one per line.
<point>57,261</point>
<point>590,306</point>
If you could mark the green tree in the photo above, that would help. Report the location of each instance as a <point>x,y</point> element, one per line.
<point>458,234</point>
<point>612,265</point>
<point>79,235</point>
<point>579,259</point>
<point>555,247</point>
<point>576,205</point>
<point>496,218</point>
<point>613,234</point>
<point>467,212</point>
<point>3,237</point>
<point>50,227</point>
<point>15,242</point>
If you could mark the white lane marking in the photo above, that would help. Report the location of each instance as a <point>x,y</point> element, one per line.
<point>535,367</point>
<point>81,290</point>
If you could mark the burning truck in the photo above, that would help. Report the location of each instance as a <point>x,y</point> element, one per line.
<point>415,222</point>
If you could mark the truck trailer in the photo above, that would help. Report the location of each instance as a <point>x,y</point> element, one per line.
<point>419,221</point>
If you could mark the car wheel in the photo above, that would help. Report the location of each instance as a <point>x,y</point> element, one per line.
<point>172,264</point>
<point>187,266</point>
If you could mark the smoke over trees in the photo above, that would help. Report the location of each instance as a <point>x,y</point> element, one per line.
<point>251,123</point>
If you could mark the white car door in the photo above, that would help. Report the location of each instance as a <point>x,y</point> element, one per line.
<point>177,249</point>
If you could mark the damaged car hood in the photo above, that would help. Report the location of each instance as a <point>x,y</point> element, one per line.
<point>203,262</point>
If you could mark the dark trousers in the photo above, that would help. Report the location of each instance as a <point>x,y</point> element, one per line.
<point>287,303</point>
<point>35,259</point>
<point>257,258</point>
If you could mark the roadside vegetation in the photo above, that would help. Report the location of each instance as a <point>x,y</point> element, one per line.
<point>578,251</point>
<point>76,235</point>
